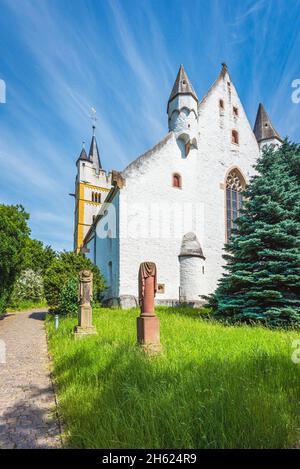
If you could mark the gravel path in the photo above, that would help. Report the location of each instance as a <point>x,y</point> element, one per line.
<point>27,402</point>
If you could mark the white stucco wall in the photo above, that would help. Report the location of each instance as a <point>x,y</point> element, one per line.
<point>182,114</point>
<point>217,155</point>
<point>106,247</point>
<point>203,173</point>
<point>99,183</point>
<point>90,210</point>
<point>88,174</point>
<point>146,202</point>
<point>90,252</point>
<point>274,142</point>
<point>192,278</point>
<point>149,206</point>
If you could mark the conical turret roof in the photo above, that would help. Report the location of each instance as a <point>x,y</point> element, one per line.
<point>83,156</point>
<point>263,127</point>
<point>190,246</point>
<point>182,85</point>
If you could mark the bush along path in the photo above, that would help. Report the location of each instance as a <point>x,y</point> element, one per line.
<point>28,416</point>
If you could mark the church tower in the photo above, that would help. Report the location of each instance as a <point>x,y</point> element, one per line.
<point>183,110</point>
<point>264,131</point>
<point>92,185</point>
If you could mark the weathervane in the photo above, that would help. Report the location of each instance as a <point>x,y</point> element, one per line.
<point>93,118</point>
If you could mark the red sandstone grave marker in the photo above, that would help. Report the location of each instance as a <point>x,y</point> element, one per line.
<point>148,326</point>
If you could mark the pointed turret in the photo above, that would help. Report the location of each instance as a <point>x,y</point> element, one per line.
<point>92,185</point>
<point>94,156</point>
<point>190,246</point>
<point>83,156</point>
<point>182,105</point>
<point>182,86</point>
<point>191,268</point>
<point>264,131</point>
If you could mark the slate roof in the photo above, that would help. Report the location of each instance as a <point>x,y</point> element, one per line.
<point>83,156</point>
<point>263,127</point>
<point>182,85</point>
<point>94,156</point>
<point>190,246</point>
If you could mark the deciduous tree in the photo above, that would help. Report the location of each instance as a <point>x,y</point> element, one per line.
<point>65,267</point>
<point>14,232</point>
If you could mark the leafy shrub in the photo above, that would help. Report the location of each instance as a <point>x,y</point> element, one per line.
<point>29,286</point>
<point>66,266</point>
<point>68,297</point>
<point>37,257</point>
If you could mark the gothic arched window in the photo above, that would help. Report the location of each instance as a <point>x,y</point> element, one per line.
<point>235,185</point>
<point>177,180</point>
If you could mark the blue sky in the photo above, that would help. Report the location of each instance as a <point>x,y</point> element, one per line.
<point>59,58</point>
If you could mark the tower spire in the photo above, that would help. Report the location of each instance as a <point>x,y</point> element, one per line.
<point>83,156</point>
<point>92,184</point>
<point>182,107</point>
<point>263,127</point>
<point>182,86</point>
<point>94,156</point>
<point>93,118</point>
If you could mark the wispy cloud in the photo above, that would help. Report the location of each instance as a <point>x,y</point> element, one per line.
<point>252,9</point>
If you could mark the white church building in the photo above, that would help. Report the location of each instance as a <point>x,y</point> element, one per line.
<point>176,204</point>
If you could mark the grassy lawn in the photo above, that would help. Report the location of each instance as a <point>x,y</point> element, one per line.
<point>212,387</point>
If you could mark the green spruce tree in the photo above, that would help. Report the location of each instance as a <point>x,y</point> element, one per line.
<point>262,276</point>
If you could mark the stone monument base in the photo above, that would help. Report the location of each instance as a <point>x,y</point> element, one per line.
<point>150,349</point>
<point>148,334</point>
<point>80,332</point>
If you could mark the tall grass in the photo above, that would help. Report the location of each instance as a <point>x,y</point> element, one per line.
<point>214,386</point>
